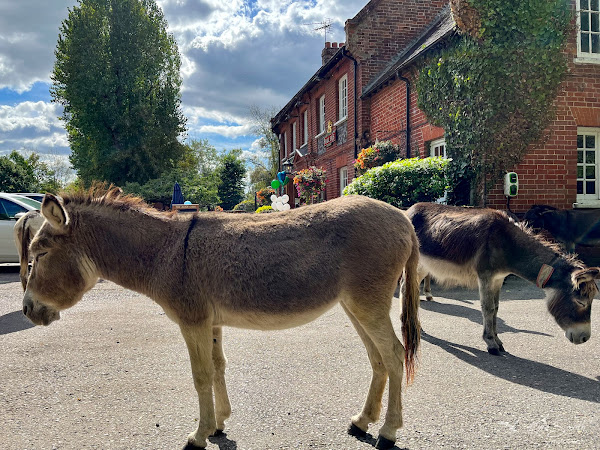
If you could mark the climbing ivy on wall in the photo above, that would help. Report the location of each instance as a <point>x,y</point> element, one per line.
<point>492,86</point>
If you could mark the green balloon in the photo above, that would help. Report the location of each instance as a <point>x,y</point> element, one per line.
<point>286,181</point>
<point>275,184</point>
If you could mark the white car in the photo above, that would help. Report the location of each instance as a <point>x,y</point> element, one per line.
<point>12,206</point>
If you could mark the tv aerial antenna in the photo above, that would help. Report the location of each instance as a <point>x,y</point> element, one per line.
<point>324,25</point>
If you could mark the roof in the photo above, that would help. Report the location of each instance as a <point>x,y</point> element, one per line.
<point>441,27</point>
<point>318,76</point>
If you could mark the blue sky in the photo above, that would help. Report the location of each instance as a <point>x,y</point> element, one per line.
<point>235,55</point>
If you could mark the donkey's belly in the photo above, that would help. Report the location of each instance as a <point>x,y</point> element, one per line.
<point>449,273</point>
<point>260,320</point>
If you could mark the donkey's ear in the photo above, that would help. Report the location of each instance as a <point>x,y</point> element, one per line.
<point>54,212</point>
<point>585,275</point>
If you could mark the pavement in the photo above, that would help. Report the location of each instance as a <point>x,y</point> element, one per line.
<point>114,373</point>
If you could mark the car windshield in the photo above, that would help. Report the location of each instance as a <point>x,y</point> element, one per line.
<point>28,201</point>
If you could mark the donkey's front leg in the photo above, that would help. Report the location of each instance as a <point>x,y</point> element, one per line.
<point>489,294</point>
<point>222,405</point>
<point>199,340</point>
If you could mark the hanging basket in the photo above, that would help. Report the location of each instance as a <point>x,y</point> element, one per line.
<point>466,17</point>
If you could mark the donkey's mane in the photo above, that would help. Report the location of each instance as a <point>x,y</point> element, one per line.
<point>112,196</point>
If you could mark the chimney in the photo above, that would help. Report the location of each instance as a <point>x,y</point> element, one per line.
<point>328,52</point>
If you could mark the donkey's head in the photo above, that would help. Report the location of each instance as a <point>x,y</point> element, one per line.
<point>61,272</point>
<point>571,304</point>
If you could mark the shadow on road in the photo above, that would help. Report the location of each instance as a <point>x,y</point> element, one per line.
<point>13,322</point>
<point>474,315</point>
<point>532,374</point>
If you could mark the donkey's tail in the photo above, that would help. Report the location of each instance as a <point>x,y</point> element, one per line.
<point>411,327</point>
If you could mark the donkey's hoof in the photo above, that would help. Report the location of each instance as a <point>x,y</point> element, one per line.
<point>493,351</point>
<point>502,349</point>
<point>353,430</point>
<point>384,443</point>
<point>190,446</point>
<point>217,433</point>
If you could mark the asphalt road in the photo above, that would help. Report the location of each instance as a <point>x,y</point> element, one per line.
<point>114,373</point>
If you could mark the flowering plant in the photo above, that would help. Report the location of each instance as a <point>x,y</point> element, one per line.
<point>310,183</point>
<point>264,195</point>
<point>378,154</point>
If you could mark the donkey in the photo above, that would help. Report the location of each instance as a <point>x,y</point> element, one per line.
<point>24,230</point>
<point>216,269</point>
<point>480,247</point>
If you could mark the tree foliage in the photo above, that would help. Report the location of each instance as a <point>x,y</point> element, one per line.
<point>265,163</point>
<point>20,173</point>
<point>492,90</point>
<point>196,174</point>
<point>117,76</point>
<point>230,179</point>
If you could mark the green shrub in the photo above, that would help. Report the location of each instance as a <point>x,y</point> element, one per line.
<point>244,205</point>
<point>403,183</point>
<point>265,209</point>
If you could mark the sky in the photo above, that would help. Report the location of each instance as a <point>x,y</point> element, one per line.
<point>236,54</point>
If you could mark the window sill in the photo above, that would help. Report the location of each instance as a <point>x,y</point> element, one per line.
<point>587,60</point>
<point>321,134</point>
<point>587,204</point>
<point>341,121</point>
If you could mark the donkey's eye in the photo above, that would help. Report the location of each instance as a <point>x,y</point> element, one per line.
<point>39,255</point>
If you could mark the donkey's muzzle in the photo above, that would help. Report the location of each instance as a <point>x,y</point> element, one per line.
<point>39,314</point>
<point>579,333</point>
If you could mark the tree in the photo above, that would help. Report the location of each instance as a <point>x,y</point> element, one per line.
<point>20,173</point>
<point>117,76</point>
<point>492,89</point>
<point>266,162</point>
<point>230,174</point>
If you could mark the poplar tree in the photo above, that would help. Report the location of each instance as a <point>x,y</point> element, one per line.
<point>117,75</point>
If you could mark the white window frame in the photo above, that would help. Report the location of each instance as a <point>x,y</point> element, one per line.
<point>322,114</point>
<point>589,19</point>
<point>305,124</point>
<point>294,139</point>
<point>435,145</point>
<point>285,145</point>
<point>343,98</point>
<point>343,177</point>
<point>588,156</point>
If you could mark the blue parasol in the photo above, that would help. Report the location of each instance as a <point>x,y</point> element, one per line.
<point>177,198</point>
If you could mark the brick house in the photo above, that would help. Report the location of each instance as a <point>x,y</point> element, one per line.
<point>364,92</point>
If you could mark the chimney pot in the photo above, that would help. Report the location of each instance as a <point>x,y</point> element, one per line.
<point>334,44</point>
<point>327,44</point>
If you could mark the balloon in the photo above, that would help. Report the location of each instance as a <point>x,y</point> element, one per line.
<point>187,202</point>
<point>275,184</point>
<point>281,176</point>
<point>286,206</point>
<point>273,198</point>
<point>285,198</point>
<point>286,181</point>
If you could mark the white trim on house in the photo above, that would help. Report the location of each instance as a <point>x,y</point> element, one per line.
<point>588,31</point>
<point>305,125</point>
<point>437,147</point>
<point>321,114</point>
<point>285,144</point>
<point>343,179</point>
<point>343,98</point>
<point>294,133</point>
<point>588,168</point>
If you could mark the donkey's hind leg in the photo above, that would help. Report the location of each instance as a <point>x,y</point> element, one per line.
<point>222,405</point>
<point>374,317</point>
<point>427,287</point>
<point>199,341</point>
<point>372,407</point>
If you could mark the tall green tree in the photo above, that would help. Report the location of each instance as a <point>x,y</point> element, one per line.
<point>492,88</point>
<point>265,163</point>
<point>230,184</point>
<point>117,75</point>
<point>19,173</point>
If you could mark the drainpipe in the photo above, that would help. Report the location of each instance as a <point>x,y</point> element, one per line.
<point>349,56</point>
<point>408,130</point>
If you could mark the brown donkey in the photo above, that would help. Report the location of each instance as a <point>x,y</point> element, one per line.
<point>208,270</point>
<point>480,247</point>
<point>24,230</point>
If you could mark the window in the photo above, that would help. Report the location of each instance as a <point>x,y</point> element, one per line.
<point>294,141</point>
<point>321,114</point>
<point>305,125</point>
<point>343,179</point>
<point>588,19</point>
<point>9,209</point>
<point>588,149</point>
<point>285,145</point>
<point>438,148</point>
<point>343,97</point>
